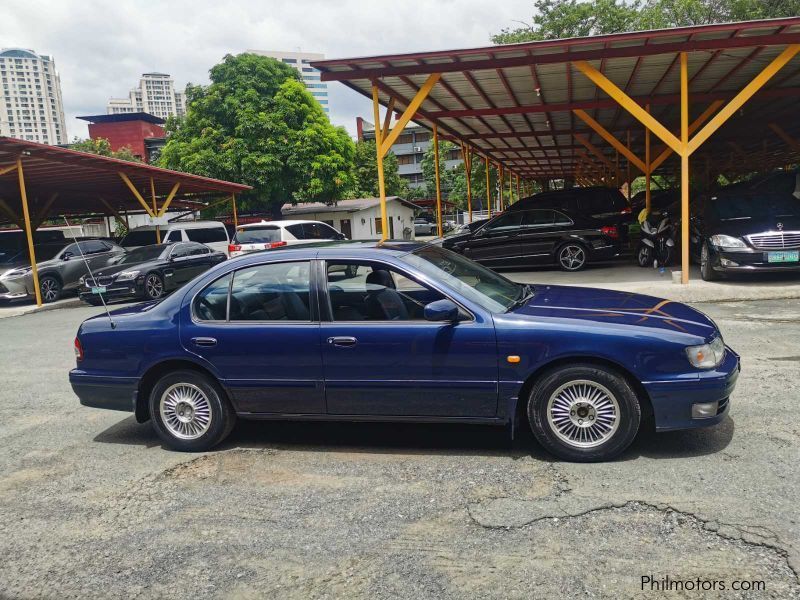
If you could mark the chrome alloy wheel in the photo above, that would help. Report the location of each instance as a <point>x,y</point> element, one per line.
<point>572,257</point>
<point>583,413</point>
<point>49,289</point>
<point>185,411</point>
<point>153,286</point>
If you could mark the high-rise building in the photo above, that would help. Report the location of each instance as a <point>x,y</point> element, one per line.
<point>310,76</point>
<point>30,98</point>
<point>154,95</point>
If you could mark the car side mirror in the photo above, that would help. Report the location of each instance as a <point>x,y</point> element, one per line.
<point>441,310</point>
<point>67,256</point>
<point>341,236</point>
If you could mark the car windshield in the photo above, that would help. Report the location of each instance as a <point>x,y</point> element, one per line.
<point>762,206</point>
<point>142,237</point>
<point>486,288</point>
<point>257,235</point>
<point>143,254</point>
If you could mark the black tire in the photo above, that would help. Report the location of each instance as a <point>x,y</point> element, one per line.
<point>644,257</point>
<point>618,437</point>
<point>578,260</point>
<point>221,417</point>
<point>707,272</point>
<point>49,288</point>
<point>153,286</point>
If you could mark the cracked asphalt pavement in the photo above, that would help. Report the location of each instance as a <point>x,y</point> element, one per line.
<point>91,505</point>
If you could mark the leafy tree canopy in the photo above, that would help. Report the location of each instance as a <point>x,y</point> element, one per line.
<point>366,173</point>
<point>554,19</point>
<point>102,147</point>
<point>257,124</point>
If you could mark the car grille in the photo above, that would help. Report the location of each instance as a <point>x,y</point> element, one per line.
<point>99,281</point>
<point>775,240</point>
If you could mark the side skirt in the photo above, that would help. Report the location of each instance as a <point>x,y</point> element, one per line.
<point>373,418</point>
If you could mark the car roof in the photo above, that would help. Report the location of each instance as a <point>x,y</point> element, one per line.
<point>181,225</point>
<point>352,248</point>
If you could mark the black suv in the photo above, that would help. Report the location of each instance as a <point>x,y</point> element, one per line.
<point>528,235</point>
<point>602,203</point>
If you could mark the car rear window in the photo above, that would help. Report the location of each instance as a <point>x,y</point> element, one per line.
<point>144,237</point>
<point>257,235</point>
<point>207,235</point>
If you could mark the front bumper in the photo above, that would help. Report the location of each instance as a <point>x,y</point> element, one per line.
<point>673,400</point>
<point>750,261</point>
<point>15,289</point>
<point>112,393</point>
<point>117,291</point>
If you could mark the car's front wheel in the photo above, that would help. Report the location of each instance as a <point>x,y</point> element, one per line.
<point>49,288</point>
<point>190,412</point>
<point>153,286</point>
<point>707,271</point>
<point>584,412</point>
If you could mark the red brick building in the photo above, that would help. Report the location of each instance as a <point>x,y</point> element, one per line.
<point>142,132</point>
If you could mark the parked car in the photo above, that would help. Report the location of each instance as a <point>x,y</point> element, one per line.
<point>538,236</point>
<point>60,266</point>
<point>211,233</point>
<point>749,228</point>
<point>149,272</point>
<point>416,333</point>
<point>423,226</point>
<point>11,239</point>
<point>601,203</point>
<point>274,234</point>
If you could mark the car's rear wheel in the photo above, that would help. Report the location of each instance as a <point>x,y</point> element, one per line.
<point>571,257</point>
<point>153,286</point>
<point>49,288</point>
<point>584,413</point>
<point>190,412</point>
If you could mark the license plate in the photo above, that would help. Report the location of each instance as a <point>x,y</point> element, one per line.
<point>99,289</point>
<point>783,257</point>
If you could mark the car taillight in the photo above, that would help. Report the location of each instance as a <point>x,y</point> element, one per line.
<point>276,244</point>
<point>78,350</point>
<point>626,211</point>
<point>611,231</point>
<point>234,247</point>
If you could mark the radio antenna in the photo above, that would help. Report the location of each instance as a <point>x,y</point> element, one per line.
<point>89,269</point>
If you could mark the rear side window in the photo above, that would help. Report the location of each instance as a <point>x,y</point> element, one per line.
<point>537,218</point>
<point>207,235</point>
<point>272,292</point>
<point>297,231</point>
<point>173,236</point>
<point>144,237</point>
<point>319,231</point>
<point>211,304</point>
<point>257,235</point>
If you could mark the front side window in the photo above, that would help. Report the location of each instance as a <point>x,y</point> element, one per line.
<point>359,291</point>
<point>180,251</point>
<point>505,222</point>
<point>272,292</point>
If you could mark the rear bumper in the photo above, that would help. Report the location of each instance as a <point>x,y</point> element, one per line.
<point>673,400</point>
<point>112,393</point>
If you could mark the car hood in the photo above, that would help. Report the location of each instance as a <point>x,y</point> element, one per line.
<point>610,307</point>
<point>743,227</point>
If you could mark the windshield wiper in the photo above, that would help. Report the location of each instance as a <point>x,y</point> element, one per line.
<point>526,293</point>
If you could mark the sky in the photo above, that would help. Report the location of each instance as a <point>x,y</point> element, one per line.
<point>101,48</point>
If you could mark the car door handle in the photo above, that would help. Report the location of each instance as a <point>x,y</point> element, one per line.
<point>204,342</point>
<point>342,341</point>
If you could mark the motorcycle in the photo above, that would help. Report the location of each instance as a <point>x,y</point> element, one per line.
<point>657,242</point>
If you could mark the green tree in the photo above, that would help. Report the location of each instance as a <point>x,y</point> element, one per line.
<point>366,173</point>
<point>102,147</point>
<point>555,19</point>
<point>453,180</point>
<point>257,124</point>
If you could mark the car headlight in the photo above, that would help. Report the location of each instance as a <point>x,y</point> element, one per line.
<point>127,275</point>
<point>707,356</point>
<point>727,241</point>
<point>16,273</point>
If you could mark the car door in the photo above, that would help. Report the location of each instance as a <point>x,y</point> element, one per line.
<point>258,329</point>
<point>538,236</point>
<point>181,265</point>
<point>381,357</point>
<point>496,242</point>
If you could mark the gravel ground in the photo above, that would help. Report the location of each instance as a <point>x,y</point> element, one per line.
<point>91,505</point>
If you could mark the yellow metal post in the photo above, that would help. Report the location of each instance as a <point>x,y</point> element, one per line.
<point>466,154</point>
<point>518,189</point>
<point>628,174</point>
<point>510,188</point>
<point>607,136</point>
<point>501,180</point>
<point>235,215</point>
<point>439,228</point>
<point>684,168</point>
<point>168,201</point>
<point>379,158</point>
<point>648,170</point>
<point>28,232</point>
<point>155,209</point>
<point>488,193</point>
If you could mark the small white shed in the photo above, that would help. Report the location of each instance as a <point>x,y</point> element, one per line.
<point>360,218</point>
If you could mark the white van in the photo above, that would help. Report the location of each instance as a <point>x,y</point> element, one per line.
<point>211,233</point>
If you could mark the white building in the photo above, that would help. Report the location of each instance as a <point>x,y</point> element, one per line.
<point>154,95</point>
<point>302,62</point>
<point>359,219</point>
<point>30,97</point>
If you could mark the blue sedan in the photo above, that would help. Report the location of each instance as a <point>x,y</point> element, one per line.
<point>404,332</point>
